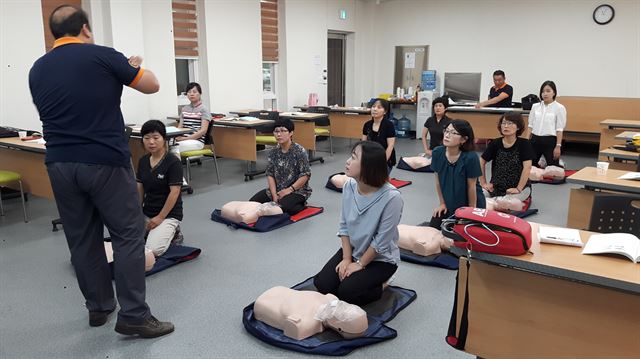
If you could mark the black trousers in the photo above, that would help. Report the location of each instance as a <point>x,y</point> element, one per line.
<point>291,203</point>
<point>544,146</point>
<point>361,287</point>
<point>90,197</point>
<point>435,222</point>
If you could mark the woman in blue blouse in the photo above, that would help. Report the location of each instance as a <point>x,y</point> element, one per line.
<point>371,211</point>
<point>457,168</point>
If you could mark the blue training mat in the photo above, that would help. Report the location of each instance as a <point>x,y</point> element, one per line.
<point>329,342</point>
<point>174,255</point>
<point>440,260</point>
<point>268,223</point>
<point>404,166</point>
<point>525,213</point>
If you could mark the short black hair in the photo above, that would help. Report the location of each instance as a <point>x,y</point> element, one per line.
<point>373,163</point>
<point>385,105</point>
<point>192,85</point>
<point>499,73</point>
<point>514,117</point>
<point>444,101</point>
<point>550,84</point>
<point>69,25</point>
<point>152,126</point>
<point>463,127</point>
<point>286,123</point>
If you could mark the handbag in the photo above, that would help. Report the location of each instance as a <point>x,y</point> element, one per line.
<point>483,230</point>
<point>529,100</point>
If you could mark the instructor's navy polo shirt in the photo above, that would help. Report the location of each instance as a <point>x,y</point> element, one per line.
<point>494,92</point>
<point>76,88</point>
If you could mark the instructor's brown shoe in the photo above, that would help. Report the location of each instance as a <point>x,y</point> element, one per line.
<point>150,328</point>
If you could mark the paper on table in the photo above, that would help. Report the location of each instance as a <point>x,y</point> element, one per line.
<point>39,141</point>
<point>630,176</point>
<point>558,233</point>
<point>172,129</point>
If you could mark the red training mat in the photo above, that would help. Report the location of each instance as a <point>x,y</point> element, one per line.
<point>399,183</point>
<point>306,213</point>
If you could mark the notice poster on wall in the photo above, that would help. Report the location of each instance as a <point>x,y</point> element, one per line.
<point>410,60</point>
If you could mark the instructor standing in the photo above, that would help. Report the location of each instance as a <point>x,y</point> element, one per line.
<point>76,88</point>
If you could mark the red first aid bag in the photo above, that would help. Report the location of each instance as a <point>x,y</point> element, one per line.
<point>484,230</point>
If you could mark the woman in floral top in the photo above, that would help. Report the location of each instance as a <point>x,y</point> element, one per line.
<point>288,172</point>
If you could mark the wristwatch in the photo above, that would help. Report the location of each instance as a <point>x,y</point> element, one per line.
<point>360,264</point>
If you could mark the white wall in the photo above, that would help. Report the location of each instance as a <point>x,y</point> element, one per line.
<point>532,41</point>
<point>307,23</point>
<point>21,44</point>
<point>234,54</point>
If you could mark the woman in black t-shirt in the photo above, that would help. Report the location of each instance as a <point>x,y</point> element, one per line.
<point>435,125</point>
<point>380,129</point>
<point>511,158</point>
<point>159,183</point>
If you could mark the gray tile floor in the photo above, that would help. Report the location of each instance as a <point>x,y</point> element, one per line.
<point>43,315</point>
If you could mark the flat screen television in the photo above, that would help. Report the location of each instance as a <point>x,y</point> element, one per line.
<point>463,87</point>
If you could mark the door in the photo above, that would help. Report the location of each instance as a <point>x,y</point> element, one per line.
<point>335,69</point>
<point>410,62</point>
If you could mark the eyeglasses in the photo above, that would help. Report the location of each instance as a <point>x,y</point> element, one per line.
<point>507,123</point>
<point>275,132</point>
<point>451,133</point>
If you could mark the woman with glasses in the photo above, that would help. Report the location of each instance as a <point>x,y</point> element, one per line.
<point>457,169</point>
<point>510,157</point>
<point>288,172</point>
<point>547,120</point>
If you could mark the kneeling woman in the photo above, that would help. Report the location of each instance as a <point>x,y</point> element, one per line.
<point>159,182</point>
<point>457,169</point>
<point>288,172</point>
<point>511,157</point>
<point>371,211</point>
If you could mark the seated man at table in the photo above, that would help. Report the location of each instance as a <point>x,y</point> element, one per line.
<point>500,95</point>
<point>288,172</point>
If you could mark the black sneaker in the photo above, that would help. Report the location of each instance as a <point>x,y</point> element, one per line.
<point>97,319</point>
<point>150,328</point>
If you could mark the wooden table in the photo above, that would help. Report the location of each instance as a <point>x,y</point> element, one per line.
<point>236,139</point>
<point>581,199</point>
<point>610,129</point>
<point>346,122</point>
<point>26,158</point>
<point>137,147</point>
<point>553,303</point>
<point>484,120</point>
<point>304,134</point>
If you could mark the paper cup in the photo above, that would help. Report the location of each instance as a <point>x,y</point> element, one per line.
<point>22,134</point>
<point>602,168</point>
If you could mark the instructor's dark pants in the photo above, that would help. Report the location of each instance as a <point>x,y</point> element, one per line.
<point>88,197</point>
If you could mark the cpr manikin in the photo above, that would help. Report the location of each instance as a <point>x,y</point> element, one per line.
<point>417,161</point>
<point>504,203</point>
<point>301,314</point>
<point>421,240</point>
<point>339,180</point>
<point>248,212</point>
<point>554,172</point>
<point>149,258</point>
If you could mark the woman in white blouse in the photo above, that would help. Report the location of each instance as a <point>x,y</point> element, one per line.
<point>547,120</point>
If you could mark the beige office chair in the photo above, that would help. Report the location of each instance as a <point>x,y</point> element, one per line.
<point>197,155</point>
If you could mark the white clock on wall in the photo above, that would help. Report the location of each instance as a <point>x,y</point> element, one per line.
<point>603,14</point>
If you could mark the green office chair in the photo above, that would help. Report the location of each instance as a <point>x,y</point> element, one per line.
<point>197,155</point>
<point>264,138</point>
<point>7,177</point>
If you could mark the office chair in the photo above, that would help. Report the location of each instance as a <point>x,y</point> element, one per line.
<point>323,125</point>
<point>615,213</point>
